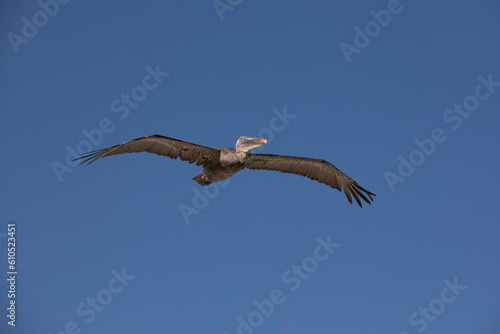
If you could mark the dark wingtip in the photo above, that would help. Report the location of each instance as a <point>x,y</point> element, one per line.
<point>361,192</point>
<point>89,156</point>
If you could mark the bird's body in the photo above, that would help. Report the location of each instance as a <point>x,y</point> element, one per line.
<point>229,162</point>
<point>222,163</point>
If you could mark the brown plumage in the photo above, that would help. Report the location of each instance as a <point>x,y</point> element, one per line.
<point>315,169</point>
<point>222,163</point>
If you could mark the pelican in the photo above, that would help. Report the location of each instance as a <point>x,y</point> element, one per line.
<point>222,163</point>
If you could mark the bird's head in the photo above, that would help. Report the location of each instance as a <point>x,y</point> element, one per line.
<point>245,144</point>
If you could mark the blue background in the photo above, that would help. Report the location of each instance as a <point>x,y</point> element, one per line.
<point>226,77</point>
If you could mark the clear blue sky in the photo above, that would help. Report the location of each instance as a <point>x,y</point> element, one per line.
<point>407,105</point>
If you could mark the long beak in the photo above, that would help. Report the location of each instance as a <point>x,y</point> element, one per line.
<point>263,141</point>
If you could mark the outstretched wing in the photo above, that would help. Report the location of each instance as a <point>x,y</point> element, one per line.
<point>315,169</point>
<point>161,145</point>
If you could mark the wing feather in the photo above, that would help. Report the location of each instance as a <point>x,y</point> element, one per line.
<point>315,169</point>
<point>157,144</point>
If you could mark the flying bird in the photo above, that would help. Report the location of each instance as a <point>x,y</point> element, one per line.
<point>222,163</point>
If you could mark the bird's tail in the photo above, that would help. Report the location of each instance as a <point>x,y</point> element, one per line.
<point>201,180</point>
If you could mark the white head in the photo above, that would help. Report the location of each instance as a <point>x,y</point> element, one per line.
<point>245,144</point>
